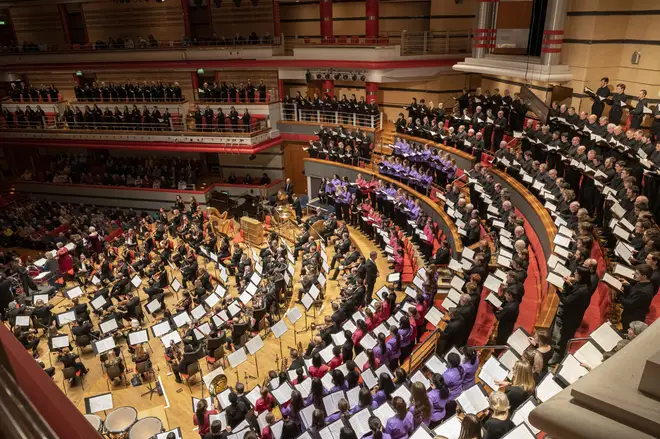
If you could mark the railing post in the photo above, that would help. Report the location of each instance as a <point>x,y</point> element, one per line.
<point>372,121</point>
<point>171,124</point>
<point>318,116</point>
<point>425,41</point>
<point>336,116</point>
<point>354,119</point>
<point>447,41</point>
<point>403,39</point>
<point>295,112</point>
<point>380,116</point>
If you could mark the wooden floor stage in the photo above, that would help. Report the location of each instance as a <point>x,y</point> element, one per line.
<point>175,407</point>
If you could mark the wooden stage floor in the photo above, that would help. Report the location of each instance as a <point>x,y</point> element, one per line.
<point>179,413</point>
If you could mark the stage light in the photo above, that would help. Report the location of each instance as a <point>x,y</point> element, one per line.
<point>200,71</point>
<point>318,76</point>
<point>354,77</point>
<point>337,76</point>
<point>252,157</point>
<point>79,73</point>
<point>345,76</point>
<point>327,76</point>
<point>363,78</point>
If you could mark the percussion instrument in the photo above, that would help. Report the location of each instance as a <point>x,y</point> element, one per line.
<point>120,420</point>
<point>146,428</point>
<point>96,422</point>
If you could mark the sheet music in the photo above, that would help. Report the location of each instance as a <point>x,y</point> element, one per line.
<point>100,403</point>
<point>104,345</point>
<point>234,309</point>
<point>420,433</point>
<point>22,321</point>
<point>433,316</point>
<point>368,341</point>
<point>571,370</point>
<point>403,392</point>
<point>304,388</point>
<point>74,292</point>
<point>519,341</point>
<point>222,416</point>
<point>237,357</point>
<point>435,364</point>
<point>493,283</point>
<point>339,338</point>
<point>138,337</point>
<point>613,282</point>
<point>494,300</point>
<point>254,344</point>
<point>624,271</point>
<point>38,297</point>
<point>220,290</point>
<point>181,319</point>
<point>606,337</point>
<point>212,300</point>
<point>307,415</point>
<point>331,401</point>
<point>279,329</point>
<point>283,393</point>
<point>202,331</point>
<point>589,354</point>
<point>176,285</point>
<point>521,415</point>
<point>326,353</point>
<point>555,280</point>
<point>447,304</point>
<point>66,317</point>
<point>623,251</point>
<point>254,395</point>
<point>172,336</point>
<point>451,428</point>
<point>419,377</point>
<point>547,388</point>
<point>59,342</point>
<point>522,431</point>
<point>223,398</point>
<point>360,422</point>
<point>455,265</point>
<point>198,312</point>
<point>457,283</point>
<point>100,301</point>
<point>108,326</point>
<point>491,372</point>
<point>472,400</point>
<point>136,281</point>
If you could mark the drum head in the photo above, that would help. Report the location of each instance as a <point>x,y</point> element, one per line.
<point>119,420</point>
<point>145,428</point>
<point>95,420</point>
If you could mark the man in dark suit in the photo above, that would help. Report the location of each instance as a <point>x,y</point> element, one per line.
<point>288,189</point>
<point>371,275</point>
<point>602,93</point>
<point>507,316</point>
<point>638,112</point>
<point>453,333</point>
<point>637,296</point>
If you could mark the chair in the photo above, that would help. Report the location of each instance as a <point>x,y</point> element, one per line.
<point>113,372</point>
<point>71,373</point>
<point>218,355</point>
<point>304,202</point>
<point>191,371</point>
<point>82,341</point>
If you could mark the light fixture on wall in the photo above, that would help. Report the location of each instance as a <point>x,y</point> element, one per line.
<point>635,57</point>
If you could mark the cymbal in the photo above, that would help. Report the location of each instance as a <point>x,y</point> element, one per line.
<point>281,208</point>
<point>285,215</point>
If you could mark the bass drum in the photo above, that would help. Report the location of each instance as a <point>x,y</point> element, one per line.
<point>96,422</point>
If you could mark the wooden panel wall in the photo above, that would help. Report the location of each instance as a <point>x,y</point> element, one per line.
<point>245,19</point>
<point>601,36</point>
<point>271,162</point>
<point>449,15</point>
<point>294,165</point>
<point>301,19</point>
<point>37,24</point>
<point>109,19</point>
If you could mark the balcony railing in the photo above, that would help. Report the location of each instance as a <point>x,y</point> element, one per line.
<point>293,112</point>
<point>272,95</point>
<point>436,43</point>
<point>158,45</point>
<point>412,43</point>
<point>177,125</point>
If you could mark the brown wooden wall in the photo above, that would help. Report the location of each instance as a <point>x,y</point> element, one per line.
<point>37,24</point>
<point>294,165</point>
<point>245,19</point>
<point>109,19</point>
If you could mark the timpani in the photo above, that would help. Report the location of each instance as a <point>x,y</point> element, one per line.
<point>120,420</point>
<point>96,422</point>
<point>145,428</point>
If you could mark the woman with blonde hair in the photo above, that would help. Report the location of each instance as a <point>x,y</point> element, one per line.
<point>470,428</point>
<point>499,423</point>
<point>420,406</point>
<point>521,386</point>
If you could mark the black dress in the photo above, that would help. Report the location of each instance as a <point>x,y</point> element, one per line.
<point>496,428</point>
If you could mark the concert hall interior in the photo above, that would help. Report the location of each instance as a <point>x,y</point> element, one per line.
<point>329,219</point>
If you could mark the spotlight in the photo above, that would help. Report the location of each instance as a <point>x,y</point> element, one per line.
<point>327,76</point>
<point>354,77</point>
<point>337,76</point>
<point>345,76</point>
<point>363,78</point>
<point>252,157</point>
<point>319,76</point>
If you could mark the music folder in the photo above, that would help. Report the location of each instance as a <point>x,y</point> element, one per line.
<point>103,345</point>
<point>176,431</point>
<point>99,403</point>
<point>473,400</point>
<point>138,337</point>
<point>547,388</point>
<point>59,342</point>
<point>606,337</point>
<point>73,293</point>
<point>66,317</point>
